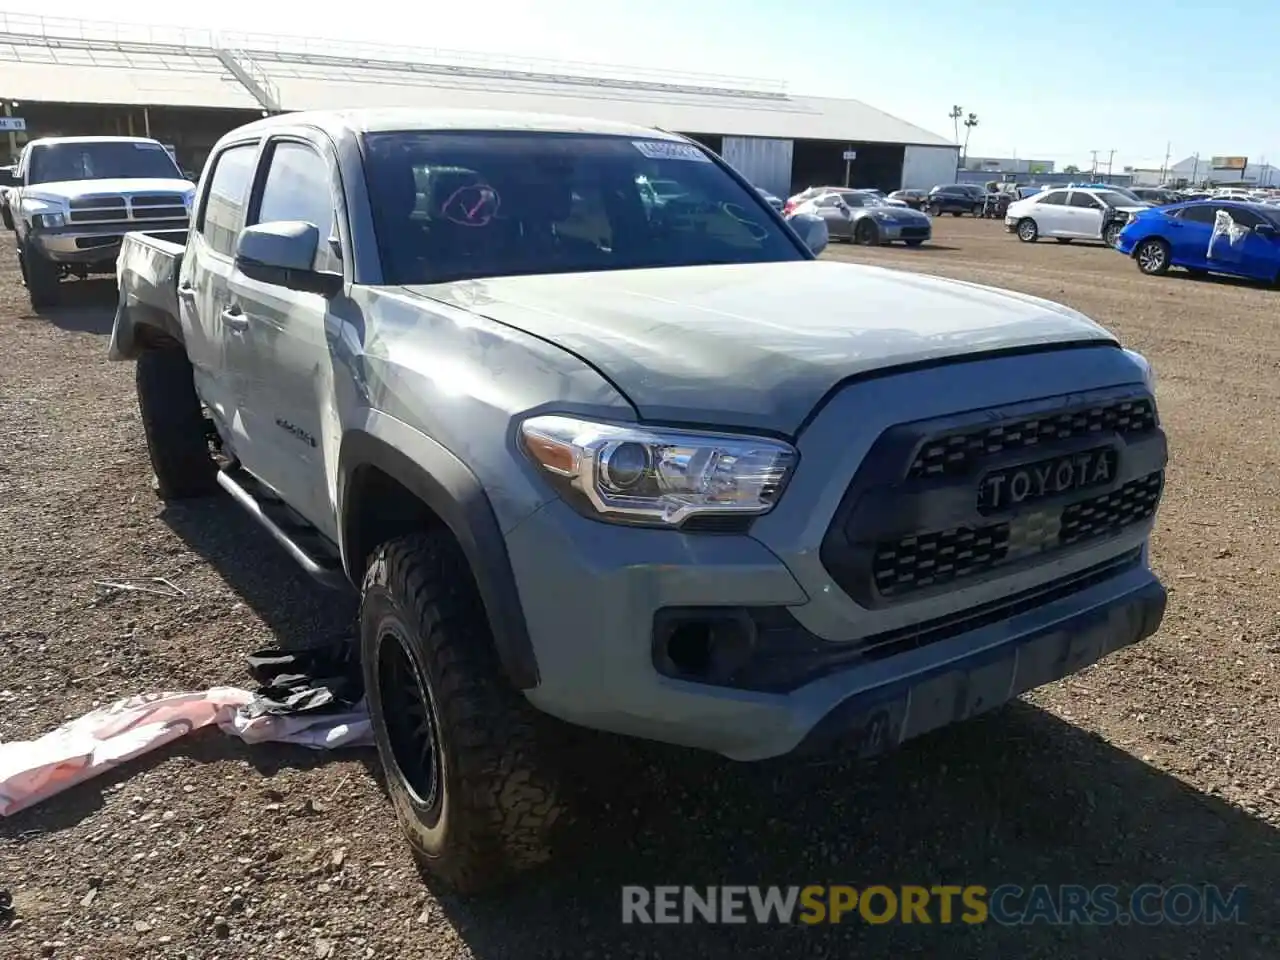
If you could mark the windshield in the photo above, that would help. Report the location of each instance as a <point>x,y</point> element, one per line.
<point>100,161</point>
<point>464,205</point>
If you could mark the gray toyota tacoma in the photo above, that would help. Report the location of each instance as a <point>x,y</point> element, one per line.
<point>645,467</point>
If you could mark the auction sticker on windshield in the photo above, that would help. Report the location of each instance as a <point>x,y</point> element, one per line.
<point>670,150</point>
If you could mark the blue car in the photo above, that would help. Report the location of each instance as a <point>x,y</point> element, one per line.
<point>1184,235</point>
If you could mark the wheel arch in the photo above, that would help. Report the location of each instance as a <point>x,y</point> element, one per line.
<point>383,493</point>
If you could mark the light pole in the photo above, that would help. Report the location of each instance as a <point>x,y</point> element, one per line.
<point>970,122</point>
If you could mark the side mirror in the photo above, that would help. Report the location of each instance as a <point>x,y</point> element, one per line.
<point>283,253</point>
<point>812,231</point>
<point>8,178</point>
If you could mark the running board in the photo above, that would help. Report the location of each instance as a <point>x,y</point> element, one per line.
<point>327,572</point>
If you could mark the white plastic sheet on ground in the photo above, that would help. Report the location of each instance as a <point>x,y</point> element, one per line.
<point>1225,226</point>
<point>34,770</point>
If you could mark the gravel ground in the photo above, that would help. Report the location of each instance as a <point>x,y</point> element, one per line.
<point>1159,765</point>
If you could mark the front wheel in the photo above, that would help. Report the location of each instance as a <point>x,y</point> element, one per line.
<point>1152,256</point>
<point>1111,233</point>
<point>865,233</point>
<point>41,276</point>
<point>463,751</point>
<point>1028,232</point>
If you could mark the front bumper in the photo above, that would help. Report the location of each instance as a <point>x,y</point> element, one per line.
<point>594,597</point>
<point>96,244</point>
<point>905,231</point>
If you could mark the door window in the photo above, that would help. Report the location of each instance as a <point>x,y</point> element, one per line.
<point>297,188</point>
<point>222,214</point>
<point>1083,200</point>
<point>1202,214</point>
<point>1057,198</point>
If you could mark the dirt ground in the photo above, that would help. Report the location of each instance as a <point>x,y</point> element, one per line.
<point>1160,765</point>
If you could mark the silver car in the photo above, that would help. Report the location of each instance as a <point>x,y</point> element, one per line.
<point>857,217</point>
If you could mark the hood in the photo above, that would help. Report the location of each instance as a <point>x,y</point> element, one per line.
<point>899,212</point>
<point>71,189</point>
<point>1136,207</point>
<point>757,346</point>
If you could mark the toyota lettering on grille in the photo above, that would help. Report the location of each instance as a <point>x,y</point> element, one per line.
<point>1031,482</point>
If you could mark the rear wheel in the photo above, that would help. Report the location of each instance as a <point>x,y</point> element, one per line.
<point>463,751</point>
<point>41,276</point>
<point>174,425</point>
<point>1028,232</point>
<point>1152,256</point>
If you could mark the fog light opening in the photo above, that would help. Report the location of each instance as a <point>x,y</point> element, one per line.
<point>689,647</point>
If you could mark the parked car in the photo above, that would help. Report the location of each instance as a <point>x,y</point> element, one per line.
<point>1191,236</point>
<point>76,197</point>
<point>881,196</point>
<point>650,469</point>
<point>857,217</point>
<point>1072,214</point>
<point>1156,196</point>
<point>956,199</point>
<point>915,199</point>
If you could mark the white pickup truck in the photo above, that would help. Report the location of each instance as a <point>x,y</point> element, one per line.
<point>74,198</point>
<point>648,467</point>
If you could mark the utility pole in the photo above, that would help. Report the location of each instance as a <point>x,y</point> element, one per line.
<point>1195,170</point>
<point>1110,157</point>
<point>1093,170</point>
<point>1168,153</point>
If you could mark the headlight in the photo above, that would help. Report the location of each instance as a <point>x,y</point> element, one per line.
<point>657,477</point>
<point>1148,373</point>
<point>47,220</point>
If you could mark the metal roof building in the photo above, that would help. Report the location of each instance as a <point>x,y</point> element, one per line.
<point>778,139</point>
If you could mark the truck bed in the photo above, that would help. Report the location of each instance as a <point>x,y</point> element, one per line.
<point>147,277</point>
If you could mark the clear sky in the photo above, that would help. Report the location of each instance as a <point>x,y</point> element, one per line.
<point>1045,83</point>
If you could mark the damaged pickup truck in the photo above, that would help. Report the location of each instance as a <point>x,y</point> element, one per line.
<point>645,468</point>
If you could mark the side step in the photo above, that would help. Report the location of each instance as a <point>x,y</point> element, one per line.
<point>307,547</point>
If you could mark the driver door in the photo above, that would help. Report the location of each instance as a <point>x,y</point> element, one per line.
<point>1085,213</point>
<point>282,348</point>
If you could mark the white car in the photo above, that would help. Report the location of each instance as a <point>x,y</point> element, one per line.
<point>1073,213</point>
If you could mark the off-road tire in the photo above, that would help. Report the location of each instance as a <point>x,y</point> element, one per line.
<point>174,425</point>
<point>41,277</point>
<point>498,803</point>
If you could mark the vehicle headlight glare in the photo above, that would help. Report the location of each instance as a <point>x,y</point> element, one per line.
<point>655,476</point>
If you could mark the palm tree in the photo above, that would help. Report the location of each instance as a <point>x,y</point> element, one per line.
<point>970,122</point>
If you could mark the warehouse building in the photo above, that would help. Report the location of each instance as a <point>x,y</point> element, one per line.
<point>187,88</point>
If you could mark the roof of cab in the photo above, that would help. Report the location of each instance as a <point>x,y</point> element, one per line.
<point>410,118</point>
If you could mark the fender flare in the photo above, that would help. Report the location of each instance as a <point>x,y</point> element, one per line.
<point>448,487</point>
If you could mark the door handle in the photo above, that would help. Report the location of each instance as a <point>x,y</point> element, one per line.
<point>235,319</point>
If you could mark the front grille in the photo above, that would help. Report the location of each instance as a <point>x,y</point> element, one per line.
<point>114,209</point>
<point>914,233</point>
<point>160,206</point>
<point>102,209</point>
<point>949,503</point>
<point>932,559</point>
<point>958,453</point>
